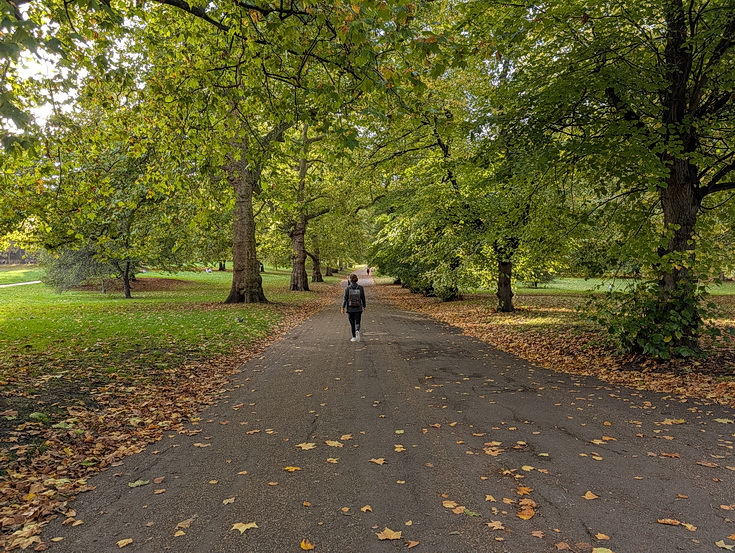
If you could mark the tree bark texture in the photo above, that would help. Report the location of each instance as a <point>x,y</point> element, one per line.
<point>505,289</point>
<point>247,284</point>
<point>316,269</point>
<point>299,279</point>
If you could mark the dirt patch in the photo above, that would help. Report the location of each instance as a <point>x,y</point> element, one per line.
<point>140,284</point>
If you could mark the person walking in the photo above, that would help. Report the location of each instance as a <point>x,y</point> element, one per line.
<point>354,303</point>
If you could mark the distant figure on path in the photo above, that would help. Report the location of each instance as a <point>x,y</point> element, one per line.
<point>354,303</point>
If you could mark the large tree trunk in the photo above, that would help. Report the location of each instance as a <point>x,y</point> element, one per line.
<point>330,271</point>
<point>504,250</point>
<point>247,284</point>
<point>316,270</point>
<point>299,279</point>
<point>505,289</point>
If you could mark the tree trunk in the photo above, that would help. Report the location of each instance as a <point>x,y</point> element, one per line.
<point>329,271</point>
<point>504,250</point>
<point>299,279</point>
<point>125,275</point>
<point>316,270</point>
<point>222,266</point>
<point>505,290</point>
<point>247,284</point>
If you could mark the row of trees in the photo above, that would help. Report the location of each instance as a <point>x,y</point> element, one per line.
<point>471,142</point>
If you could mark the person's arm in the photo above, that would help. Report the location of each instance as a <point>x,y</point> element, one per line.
<point>344,300</point>
<point>362,297</point>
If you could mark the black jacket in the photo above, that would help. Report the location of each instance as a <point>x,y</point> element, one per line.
<point>359,308</point>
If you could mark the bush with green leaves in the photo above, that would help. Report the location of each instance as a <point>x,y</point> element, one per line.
<point>639,320</point>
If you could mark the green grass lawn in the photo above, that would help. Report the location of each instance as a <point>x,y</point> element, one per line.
<point>12,274</point>
<point>42,332</point>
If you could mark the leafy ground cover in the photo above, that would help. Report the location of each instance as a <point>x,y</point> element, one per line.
<point>87,378</point>
<point>547,329</point>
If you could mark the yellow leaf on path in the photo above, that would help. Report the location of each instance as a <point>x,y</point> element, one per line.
<point>601,536</point>
<point>590,495</point>
<point>306,545</point>
<point>199,444</point>
<point>56,539</point>
<point>561,546</point>
<point>228,501</point>
<point>345,437</point>
<point>366,508</point>
<point>524,490</point>
<point>242,526</point>
<point>449,504</point>
<point>490,498</point>
<point>689,527</point>
<point>159,492</point>
<point>398,448</point>
<point>179,533</point>
<point>184,524</point>
<point>243,472</point>
<point>388,534</point>
<point>334,443</point>
<point>306,446</point>
<point>291,469</point>
<point>379,461</point>
<point>602,550</point>
<point>459,510</point>
<point>333,460</point>
<point>496,525</point>
<point>411,544</point>
<point>527,468</point>
<point>669,521</point>
<point>526,513</point>
<point>123,543</point>
<point>537,534</point>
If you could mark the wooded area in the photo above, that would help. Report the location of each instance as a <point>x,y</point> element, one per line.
<point>451,144</point>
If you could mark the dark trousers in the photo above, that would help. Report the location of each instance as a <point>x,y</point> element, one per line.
<point>354,321</point>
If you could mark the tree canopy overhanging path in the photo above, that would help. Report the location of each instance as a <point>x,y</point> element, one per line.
<point>420,430</point>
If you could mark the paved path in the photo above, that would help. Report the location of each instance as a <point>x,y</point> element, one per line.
<point>471,438</point>
<point>20,283</point>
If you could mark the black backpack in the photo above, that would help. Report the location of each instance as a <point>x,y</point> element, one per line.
<point>354,299</point>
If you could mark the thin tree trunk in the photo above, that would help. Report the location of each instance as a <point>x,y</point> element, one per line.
<point>125,275</point>
<point>222,266</point>
<point>329,271</point>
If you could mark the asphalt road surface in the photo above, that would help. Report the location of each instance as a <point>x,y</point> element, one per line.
<point>418,429</point>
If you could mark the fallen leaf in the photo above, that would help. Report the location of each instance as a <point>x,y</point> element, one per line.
<point>179,533</point>
<point>333,460</point>
<point>589,495</point>
<point>138,483</point>
<point>291,469</point>
<point>602,550</point>
<point>721,544</point>
<point>725,421</point>
<point>524,490</point>
<point>306,446</point>
<point>366,509</point>
<point>398,448</point>
<point>496,525</point>
<point>379,461</point>
<point>601,536</point>
<point>334,443</point>
<point>561,546</point>
<point>185,524</point>
<point>537,534</point>
<point>459,510</point>
<point>199,444</point>
<point>123,543</point>
<point>669,521</point>
<point>388,534</point>
<point>306,545</point>
<point>345,437</point>
<point>228,501</point>
<point>242,526</point>
<point>449,504</point>
<point>673,421</point>
<point>411,544</point>
<point>526,513</point>
<point>490,498</point>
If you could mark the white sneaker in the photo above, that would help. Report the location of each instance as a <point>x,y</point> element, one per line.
<point>353,339</point>
<point>357,336</point>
